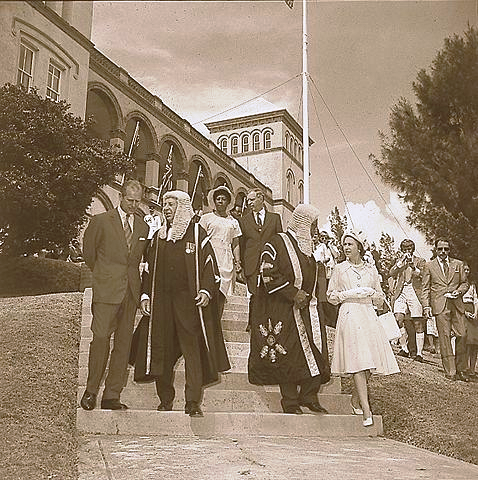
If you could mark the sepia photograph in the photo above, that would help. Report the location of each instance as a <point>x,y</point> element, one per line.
<point>238,239</point>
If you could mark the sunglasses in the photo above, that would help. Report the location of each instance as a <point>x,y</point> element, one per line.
<point>443,249</point>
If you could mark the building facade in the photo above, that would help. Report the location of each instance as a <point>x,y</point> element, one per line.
<point>47,45</point>
<point>269,145</point>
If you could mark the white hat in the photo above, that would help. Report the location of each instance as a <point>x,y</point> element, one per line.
<point>357,235</point>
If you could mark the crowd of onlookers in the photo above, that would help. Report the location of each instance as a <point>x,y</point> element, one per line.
<point>434,303</point>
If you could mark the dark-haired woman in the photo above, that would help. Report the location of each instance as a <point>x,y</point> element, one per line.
<point>361,345</point>
<point>224,232</point>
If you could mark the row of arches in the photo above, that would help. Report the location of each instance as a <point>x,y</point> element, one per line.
<point>135,133</point>
<point>245,142</point>
<point>290,190</point>
<point>293,146</point>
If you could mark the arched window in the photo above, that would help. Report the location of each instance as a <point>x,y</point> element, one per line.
<point>267,139</point>
<point>245,143</point>
<point>224,145</point>
<point>287,140</point>
<point>300,153</point>
<point>290,186</point>
<point>234,145</point>
<point>256,142</point>
<point>295,148</point>
<point>301,192</point>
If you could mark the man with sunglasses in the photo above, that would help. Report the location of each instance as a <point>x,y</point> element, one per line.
<point>444,283</point>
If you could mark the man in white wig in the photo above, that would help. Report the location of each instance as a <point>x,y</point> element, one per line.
<point>179,302</point>
<point>283,351</point>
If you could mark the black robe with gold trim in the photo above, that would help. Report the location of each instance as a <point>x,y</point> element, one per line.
<point>153,337</point>
<point>282,345</point>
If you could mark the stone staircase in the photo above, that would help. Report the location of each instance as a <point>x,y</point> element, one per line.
<point>231,407</point>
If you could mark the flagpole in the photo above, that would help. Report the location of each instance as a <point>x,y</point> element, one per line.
<point>168,161</point>
<point>305,112</point>
<point>134,139</point>
<point>196,183</point>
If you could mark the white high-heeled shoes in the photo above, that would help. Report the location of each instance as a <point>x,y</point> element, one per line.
<point>356,410</point>
<point>368,421</point>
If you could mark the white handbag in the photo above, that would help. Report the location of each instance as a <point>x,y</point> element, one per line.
<point>389,324</point>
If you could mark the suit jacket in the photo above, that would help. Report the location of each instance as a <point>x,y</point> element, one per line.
<point>435,285</point>
<point>253,239</point>
<point>398,273</point>
<point>115,269</point>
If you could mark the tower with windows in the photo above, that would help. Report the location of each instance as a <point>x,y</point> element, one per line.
<point>267,142</point>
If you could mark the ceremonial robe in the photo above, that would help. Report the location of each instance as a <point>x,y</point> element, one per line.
<point>163,346</point>
<point>282,344</point>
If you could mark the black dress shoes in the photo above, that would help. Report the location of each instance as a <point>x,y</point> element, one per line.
<point>193,409</point>
<point>418,358</point>
<point>314,407</point>
<point>294,409</point>
<point>165,407</point>
<point>462,377</point>
<point>113,404</point>
<point>88,401</point>
<point>403,353</point>
<point>450,377</point>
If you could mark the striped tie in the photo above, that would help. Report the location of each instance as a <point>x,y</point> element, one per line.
<point>128,233</point>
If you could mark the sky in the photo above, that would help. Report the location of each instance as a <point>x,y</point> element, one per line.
<point>205,57</point>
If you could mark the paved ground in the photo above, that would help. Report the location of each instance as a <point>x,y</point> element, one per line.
<point>265,458</point>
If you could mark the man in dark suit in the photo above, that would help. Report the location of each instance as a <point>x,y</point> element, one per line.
<point>113,246</point>
<point>444,283</point>
<point>257,227</point>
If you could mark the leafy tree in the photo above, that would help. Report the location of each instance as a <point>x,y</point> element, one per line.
<point>50,168</point>
<point>388,253</point>
<point>338,225</point>
<point>431,153</point>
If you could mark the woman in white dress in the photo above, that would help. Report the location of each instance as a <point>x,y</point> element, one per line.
<point>361,345</point>
<point>224,232</point>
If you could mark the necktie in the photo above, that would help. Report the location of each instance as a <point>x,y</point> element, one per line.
<point>445,268</point>
<point>128,233</point>
<point>259,221</point>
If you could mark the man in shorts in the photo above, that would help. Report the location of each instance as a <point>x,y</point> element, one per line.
<point>406,298</point>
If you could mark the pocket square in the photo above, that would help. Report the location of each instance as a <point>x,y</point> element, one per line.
<point>142,238</point>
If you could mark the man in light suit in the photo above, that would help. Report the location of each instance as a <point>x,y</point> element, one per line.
<point>113,246</point>
<point>444,283</point>
<point>257,227</point>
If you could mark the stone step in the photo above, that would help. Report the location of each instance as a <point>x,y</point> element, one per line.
<point>238,364</point>
<point>234,315</point>
<point>234,349</point>
<point>236,300</point>
<point>228,381</point>
<point>144,397</point>
<point>148,422</point>
<point>234,325</point>
<point>237,307</point>
<point>231,336</point>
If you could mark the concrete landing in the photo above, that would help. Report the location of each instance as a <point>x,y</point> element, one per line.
<point>262,458</point>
